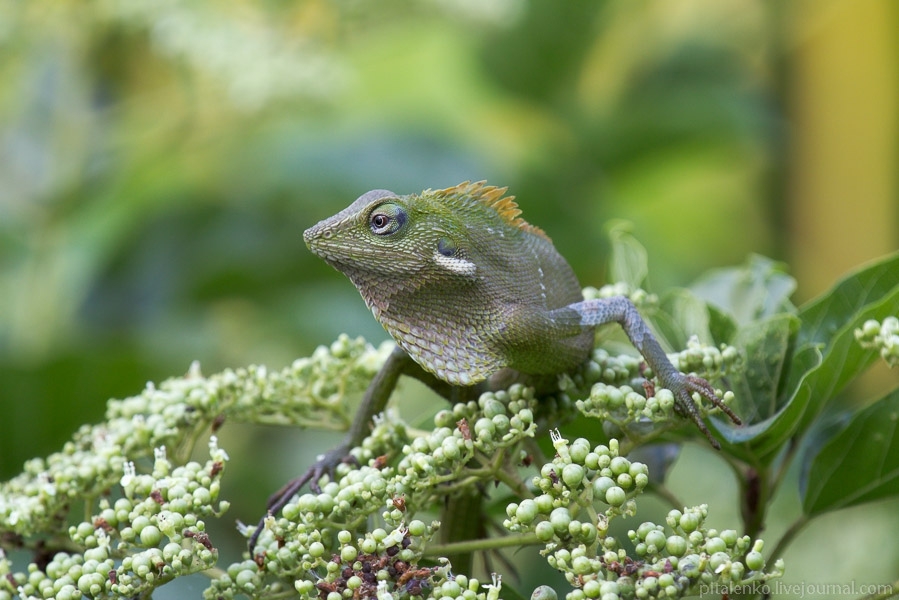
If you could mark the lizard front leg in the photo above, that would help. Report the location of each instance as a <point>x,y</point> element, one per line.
<point>373,403</point>
<point>621,310</point>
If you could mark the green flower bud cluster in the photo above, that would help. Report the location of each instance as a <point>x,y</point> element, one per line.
<point>579,481</point>
<point>612,369</point>
<point>389,433</point>
<point>674,562</point>
<point>355,494</point>
<point>583,489</point>
<point>881,336</point>
<point>311,533</point>
<point>380,564</point>
<point>498,420</point>
<point>136,542</point>
<point>148,524</point>
<point>640,298</point>
<point>707,361</point>
<point>606,388</point>
<point>623,409</point>
<point>623,405</point>
<point>461,586</point>
<point>311,392</point>
<point>66,576</point>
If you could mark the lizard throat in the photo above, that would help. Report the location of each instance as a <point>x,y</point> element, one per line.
<point>447,342</point>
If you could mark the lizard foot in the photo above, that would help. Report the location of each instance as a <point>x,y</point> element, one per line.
<point>324,466</point>
<point>683,388</point>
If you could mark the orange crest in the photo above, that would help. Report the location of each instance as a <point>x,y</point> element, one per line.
<point>492,197</point>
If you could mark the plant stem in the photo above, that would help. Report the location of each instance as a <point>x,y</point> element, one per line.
<point>785,540</point>
<point>667,495</point>
<point>755,496</point>
<point>467,546</point>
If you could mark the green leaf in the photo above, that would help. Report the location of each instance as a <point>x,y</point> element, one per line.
<point>722,327</point>
<point>766,347</point>
<point>754,291</point>
<point>859,464</point>
<point>681,315</point>
<point>628,262</point>
<point>823,316</point>
<point>829,359</point>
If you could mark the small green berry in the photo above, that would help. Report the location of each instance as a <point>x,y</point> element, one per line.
<point>676,545</point>
<point>592,588</point>
<point>729,536</point>
<point>526,511</point>
<point>717,559</point>
<point>655,538</point>
<point>579,450</point>
<point>246,580</point>
<point>544,592</point>
<point>544,531</point>
<point>620,465</point>
<point>615,496</point>
<point>625,481</point>
<point>417,527</point>
<point>689,522</point>
<point>150,536</point>
<point>715,544</point>
<point>544,503</point>
<point>755,561</point>
<point>573,475</point>
<point>588,533</point>
<point>560,519</point>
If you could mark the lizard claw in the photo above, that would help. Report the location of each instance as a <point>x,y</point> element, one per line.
<point>683,389</point>
<point>324,466</point>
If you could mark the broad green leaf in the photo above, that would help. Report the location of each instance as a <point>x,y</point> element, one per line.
<point>768,435</point>
<point>824,315</point>
<point>859,464</point>
<point>754,291</point>
<point>628,262</point>
<point>722,327</point>
<point>681,315</point>
<point>766,347</point>
<point>830,358</point>
<point>837,364</point>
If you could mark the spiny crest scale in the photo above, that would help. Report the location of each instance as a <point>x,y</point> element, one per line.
<point>492,197</point>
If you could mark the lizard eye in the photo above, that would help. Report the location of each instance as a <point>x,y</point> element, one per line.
<point>386,219</point>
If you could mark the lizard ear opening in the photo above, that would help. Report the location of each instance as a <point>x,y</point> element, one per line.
<point>446,247</point>
<point>447,257</point>
<point>387,218</point>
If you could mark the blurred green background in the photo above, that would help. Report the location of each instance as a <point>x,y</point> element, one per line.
<point>160,160</point>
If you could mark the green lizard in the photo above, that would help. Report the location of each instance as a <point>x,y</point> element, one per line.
<point>476,297</point>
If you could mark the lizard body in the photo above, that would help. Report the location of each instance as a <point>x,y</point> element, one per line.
<point>462,283</point>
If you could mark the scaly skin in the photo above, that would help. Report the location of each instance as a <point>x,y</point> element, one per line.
<point>470,291</point>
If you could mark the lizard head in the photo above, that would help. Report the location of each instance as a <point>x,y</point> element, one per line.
<point>427,236</point>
